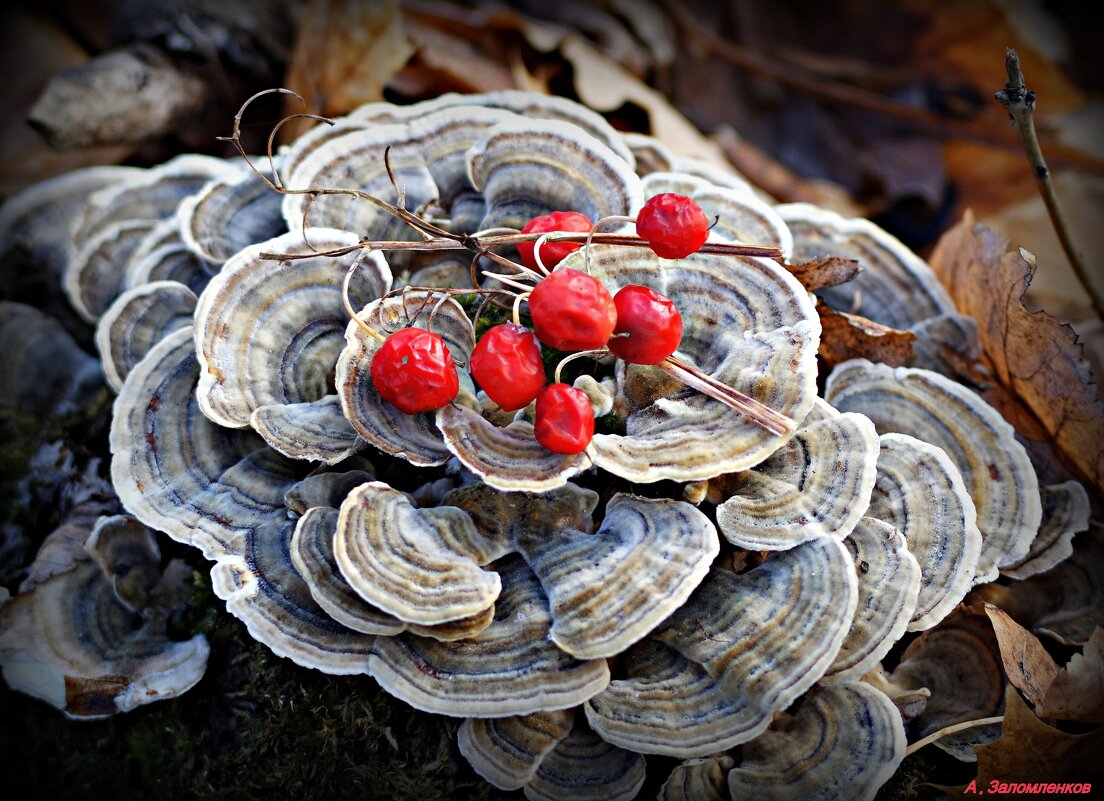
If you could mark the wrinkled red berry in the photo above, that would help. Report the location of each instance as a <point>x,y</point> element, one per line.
<point>565,419</point>
<point>652,323</point>
<point>552,253</point>
<point>572,311</point>
<point>507,364</point>
<point>414,372</point>
<point>674,225</point>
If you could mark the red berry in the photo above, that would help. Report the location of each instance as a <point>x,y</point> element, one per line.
<point>507,364</point>
<point>565,419</point>
<point>413,371</point>
<point>652,323</point>
<point>552,253</point>
<point>674,225</point>
<point>572,311</point>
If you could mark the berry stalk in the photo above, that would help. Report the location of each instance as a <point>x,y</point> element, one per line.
<point>763,416</point>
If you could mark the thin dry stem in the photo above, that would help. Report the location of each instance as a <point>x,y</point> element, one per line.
<point>957,727</point>
<point>1020,104</point>
<point>763,416</point>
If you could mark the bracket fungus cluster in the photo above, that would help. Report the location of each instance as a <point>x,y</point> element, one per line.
<point>567,606</point>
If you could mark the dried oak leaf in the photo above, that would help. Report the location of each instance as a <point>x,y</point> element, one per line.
<point>1077,692</point>
<point>1026,662</point>
<point>849,336</point>
<point>1031,751</point>
<point>1034,358</point>
<point>345,53</point>
<point>824,272</point>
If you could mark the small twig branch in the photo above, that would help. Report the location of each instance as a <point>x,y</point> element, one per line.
<point>483,244</point>
<point>1020,104</point>
<point>939,735</point>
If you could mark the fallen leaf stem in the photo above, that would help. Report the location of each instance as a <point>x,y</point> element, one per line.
<point>957,727</point>
<point>1020,104</point>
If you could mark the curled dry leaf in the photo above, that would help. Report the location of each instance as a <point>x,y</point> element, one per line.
<point>1026,662</point>
<point>345,53</point>
<point>824,272</point>
<point>1031,751</point>
<point>1077,692</point>
<point>849,336</point>
<point>1033,357</point>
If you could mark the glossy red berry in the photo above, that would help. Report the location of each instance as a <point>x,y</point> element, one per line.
<point>414,372</point>
<point>507,364</point>
<point>565,419</point>
<point>552,253</point>
<point>572,311</point>
<point>651,322</point>
<point>674,225</point>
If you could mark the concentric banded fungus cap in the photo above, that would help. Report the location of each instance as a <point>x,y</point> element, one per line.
<point>920,492</point>
<point>650,153</point>
<point>228,215</point>
<point>150,195</point>
<point>127,553</point>
<point>748,324</point>
<point>740,215</point>
<point>41,368</point>
<point>137,320</point>
<point>699,780</point>
<point>1067,601</point>
<point>163,256</point>
<point>96,274</point>
<point>532,167</point>
<point>506,516</point>
<point>413,437</point>
<point>667,704</point>
<point>844,743</point>
<point>326,489</point>
<point>584,767</point>
<point>816,485</point>
<point>507,751</point>
<point>895,287</point>
<point>31,220</point>
<point>262,588</point>
<point>767,635</point>
<point>510,668</point>
<point>994,466</point>
<point>889,584</point>
<point>313,556</point>
<point>176,471</point>
<point>959,662</point>
<point>426,156</point>
<point>607,590</point>
<point>114,218</point>
<point>421,565</point>
<point>1066,511</point>
<point>268,334</point>
<point>508,457</point>
<point>73,644</point>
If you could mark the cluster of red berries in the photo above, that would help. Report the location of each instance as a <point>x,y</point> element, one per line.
<point>571,311</point>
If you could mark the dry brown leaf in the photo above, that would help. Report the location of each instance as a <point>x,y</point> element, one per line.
<point>825,272</point>
<point>462,66</point>
<point>849,336</point>
<point>1034,357</point>
<point>1031,751</point>
<point>1077,692</point>
<point>345,53</point>
<point>1026,662</point>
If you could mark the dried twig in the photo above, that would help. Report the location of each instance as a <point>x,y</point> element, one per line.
<point>1020,105</point>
